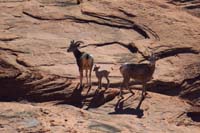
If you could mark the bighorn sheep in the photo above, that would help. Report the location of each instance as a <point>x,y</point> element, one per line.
<point>140,73</point>
<point>100,74</point>
<point>84,60</point>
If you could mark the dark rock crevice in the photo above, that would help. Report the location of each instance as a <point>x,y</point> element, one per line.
<point>176,51</point>
<point>102,19</point>
<point>9,39</point>
<point>120,22</point>
<point>195,116</point>
<point>128,14</point>
<point>13,51</point>
<point>23,63</point>
<point>170,52</point>
<point>43,17</point>
<point>31,85</point>
<point>129,46</point>
<point>191,90</point>
<point>10,1</point>
<point>166,88</point>
<point>192,6</point>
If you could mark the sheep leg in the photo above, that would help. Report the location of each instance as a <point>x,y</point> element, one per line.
<point>100,83</point>
<point>121,93</point>
<point>86,74</point>
<point>144,91</point>
<point>81,77</point>
<point>130,89</point>
<point>108,82</point>
<point>121,87</point>
<point>90,73</point>
<point>127,86</point>
<point>90,83</point>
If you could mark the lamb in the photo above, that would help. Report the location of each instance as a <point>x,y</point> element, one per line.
<point>84,61</point>
<point>100,74</point>
<point>140,73</point>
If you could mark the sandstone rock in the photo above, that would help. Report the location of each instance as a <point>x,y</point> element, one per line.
<point>35,67</point>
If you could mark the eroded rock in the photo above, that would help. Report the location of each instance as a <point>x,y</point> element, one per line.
<point>34,65</point>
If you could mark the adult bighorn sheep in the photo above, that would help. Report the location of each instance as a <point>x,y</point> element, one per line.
<point>140,73</point>
<point>84,60</point>
<point>100,74</point>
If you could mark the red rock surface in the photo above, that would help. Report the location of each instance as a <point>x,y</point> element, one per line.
<point>42,78</point>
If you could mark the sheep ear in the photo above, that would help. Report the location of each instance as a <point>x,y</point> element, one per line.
<point>72,41</point>
<point>78,44</point>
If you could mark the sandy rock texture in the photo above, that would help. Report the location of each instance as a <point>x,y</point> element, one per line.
<point>39,80</point>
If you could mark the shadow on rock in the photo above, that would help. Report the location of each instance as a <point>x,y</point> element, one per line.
<point>119,109</point>
<point>195,116</point>
<point>101,97</point>
<point>76,98</point>
<point>97,100</point>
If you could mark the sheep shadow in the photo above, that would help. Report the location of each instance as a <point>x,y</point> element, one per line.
<point>119,108</point>
<point>76,99</point>
<point>79,100</point>
<point>97,100</point>
<point>100,98</point>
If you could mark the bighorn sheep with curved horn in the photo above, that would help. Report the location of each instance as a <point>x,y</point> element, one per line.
<point>84,60</point>
<point>140,73</point>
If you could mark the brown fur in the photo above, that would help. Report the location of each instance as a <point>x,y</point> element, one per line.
<point>140,73</point>
<point>84,61</point>
<point>100,74</point>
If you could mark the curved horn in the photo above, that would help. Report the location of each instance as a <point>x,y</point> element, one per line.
<point>79,42</point>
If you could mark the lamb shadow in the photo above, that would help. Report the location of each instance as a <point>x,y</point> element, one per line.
<point>119,109</point>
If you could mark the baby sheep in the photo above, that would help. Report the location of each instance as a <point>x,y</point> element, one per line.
<point>100,74</point>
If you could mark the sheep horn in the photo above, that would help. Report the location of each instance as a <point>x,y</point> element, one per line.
<point>79,42</point>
